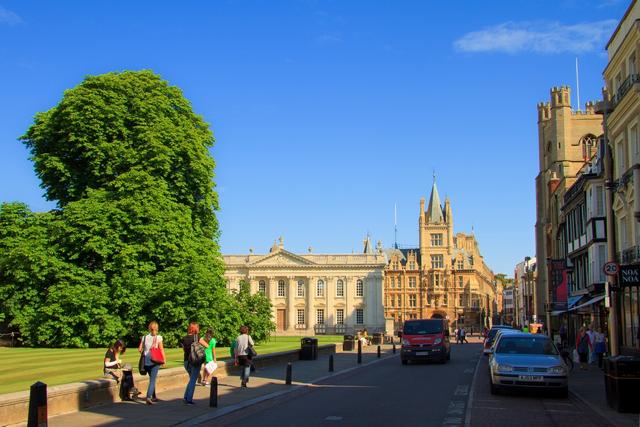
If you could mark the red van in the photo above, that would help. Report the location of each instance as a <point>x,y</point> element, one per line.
<point>425,339</point>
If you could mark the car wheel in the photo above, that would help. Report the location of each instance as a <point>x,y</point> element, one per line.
<point>404,361</point>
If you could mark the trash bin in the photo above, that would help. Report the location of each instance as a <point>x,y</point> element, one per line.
<point>622,381</point>
<point>308,349</point>
<point>349,343</point>
<point>377,338</point>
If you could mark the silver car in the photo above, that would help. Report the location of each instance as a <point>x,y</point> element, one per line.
<point>527,361</point>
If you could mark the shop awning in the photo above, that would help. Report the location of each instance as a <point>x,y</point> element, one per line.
<point>588,303</point>
<point>571,301</point>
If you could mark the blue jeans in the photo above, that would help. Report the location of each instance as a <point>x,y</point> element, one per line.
<point>245,368</point>
<point>193,372</point>
<point>153,374</point>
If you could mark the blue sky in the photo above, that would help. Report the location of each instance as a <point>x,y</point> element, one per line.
<point>327,113</point>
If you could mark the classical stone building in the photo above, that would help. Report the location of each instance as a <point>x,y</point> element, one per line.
<point>567,141</point>
<point>315,293</point>
<point>445,276</point>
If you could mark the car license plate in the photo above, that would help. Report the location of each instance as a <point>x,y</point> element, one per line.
<point>530,377</point>
<point>422,353</point>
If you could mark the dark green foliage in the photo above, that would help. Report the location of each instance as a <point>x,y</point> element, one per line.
<point>135,235</point>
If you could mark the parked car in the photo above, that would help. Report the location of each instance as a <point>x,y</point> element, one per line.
<point>499,334</point>
<point>488,340</point>
<point>425,339</point>
<point>527,361</point>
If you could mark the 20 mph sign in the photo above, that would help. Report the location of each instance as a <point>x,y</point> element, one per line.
<point>611,268</point>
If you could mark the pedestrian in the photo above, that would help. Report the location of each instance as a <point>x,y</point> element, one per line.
<point>210,362</point>
<point>463,336</point>
<point>112,364</point>
<point>563,335</point>
<point>592,337</point>
<point>192,366</point>
<point>243,351</point>
<point>583,346</point>
<point>525,329</point>
<point>600,346</point>
<point>457,335</point>
<point>152,341</point>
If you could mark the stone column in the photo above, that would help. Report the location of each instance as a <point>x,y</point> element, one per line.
<point>310,293</point>
<point>329,311</point>
<point>290,297</point>
<point>349,315</point>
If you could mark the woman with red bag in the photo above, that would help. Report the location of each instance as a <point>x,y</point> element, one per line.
<point>153,349</point>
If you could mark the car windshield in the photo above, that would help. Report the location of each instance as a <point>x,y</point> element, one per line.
<point>525,345</point>
<point>493,332</point>
<point>423,327</point>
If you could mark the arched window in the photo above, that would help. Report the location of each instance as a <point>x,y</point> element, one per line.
<point>320,288</point>
<point>359,288</point>
<point>589,145</point>
<point>262,287</point>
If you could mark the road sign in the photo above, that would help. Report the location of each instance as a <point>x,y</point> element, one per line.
<point>611,268</point>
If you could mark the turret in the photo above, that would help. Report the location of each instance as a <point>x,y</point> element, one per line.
<point>560,97</point>
<point>449,219</point>
<point>544,111</point>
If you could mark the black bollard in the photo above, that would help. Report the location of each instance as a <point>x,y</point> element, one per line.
<point>394,348</point>
<point>213,393</point>
<point>38,405</point>
<point>378,352</point>
<point>287,380</point>
<point>331,363</point>
<point>359,351</point>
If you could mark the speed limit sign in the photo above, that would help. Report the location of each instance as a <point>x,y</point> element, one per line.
<point>611,268</point>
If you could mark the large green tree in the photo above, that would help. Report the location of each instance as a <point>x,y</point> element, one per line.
<point>134,237</point>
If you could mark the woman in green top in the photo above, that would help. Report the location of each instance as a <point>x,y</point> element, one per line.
<point>209,356</point>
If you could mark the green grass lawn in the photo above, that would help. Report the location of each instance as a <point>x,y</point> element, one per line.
<point>20,367</point>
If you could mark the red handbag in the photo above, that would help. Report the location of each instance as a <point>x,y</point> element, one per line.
<point>155,354</point>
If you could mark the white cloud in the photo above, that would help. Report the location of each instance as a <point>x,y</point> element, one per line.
<point>328,38</point>
<point>8,17</point>
<point>538,37</point>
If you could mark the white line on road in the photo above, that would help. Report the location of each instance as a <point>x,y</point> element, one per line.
<point>333,418</point>
<point>467,418</point>
<point>461,390</point>
<point>469,370</point>
<point>452,421</point>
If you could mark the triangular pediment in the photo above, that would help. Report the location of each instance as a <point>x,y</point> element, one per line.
<point>281,258</point>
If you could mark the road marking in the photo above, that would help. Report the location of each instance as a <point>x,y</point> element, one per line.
<point>333,418</point>
<point>452,421</point>
<point>469,370</point>
<point>456,408</point>
<point>467,417</point>
<point>461,390</point>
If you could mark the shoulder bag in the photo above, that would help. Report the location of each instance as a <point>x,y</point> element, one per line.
<point>141,368</point>
<point>155,353</point>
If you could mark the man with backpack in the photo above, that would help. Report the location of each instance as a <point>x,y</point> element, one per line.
<point>194,354</point>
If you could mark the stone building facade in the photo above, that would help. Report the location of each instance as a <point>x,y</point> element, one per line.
<point>622,78</point>
<point>567,141</point>
<point>315,293</point>
<point>445,276</point>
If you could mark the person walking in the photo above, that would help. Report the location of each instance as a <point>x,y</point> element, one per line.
<point>592,337</point>
<point>209,357</point>
<point>563,334</point>
<point>192,367</point>
<point>152,341</point>
<point>112,364</point>
<point>583,347</point>
<point>243,354</point>
<point>599,346</point>
<point>463,336</point>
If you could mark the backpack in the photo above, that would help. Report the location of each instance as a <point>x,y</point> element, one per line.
<point>196,354</point>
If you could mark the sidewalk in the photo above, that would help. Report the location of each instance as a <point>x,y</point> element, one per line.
<point>171,410</point>
<point>588,387</point>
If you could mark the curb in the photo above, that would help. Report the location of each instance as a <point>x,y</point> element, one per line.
<point>467,415</point>
<point>604,419</point>
<point>300,386</point>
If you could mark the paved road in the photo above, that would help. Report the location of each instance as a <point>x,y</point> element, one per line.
<point>526,409</point>
<point>385,393</point>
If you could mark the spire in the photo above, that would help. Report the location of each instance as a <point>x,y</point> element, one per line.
<point>434,211</point>
<point>368,248</point>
